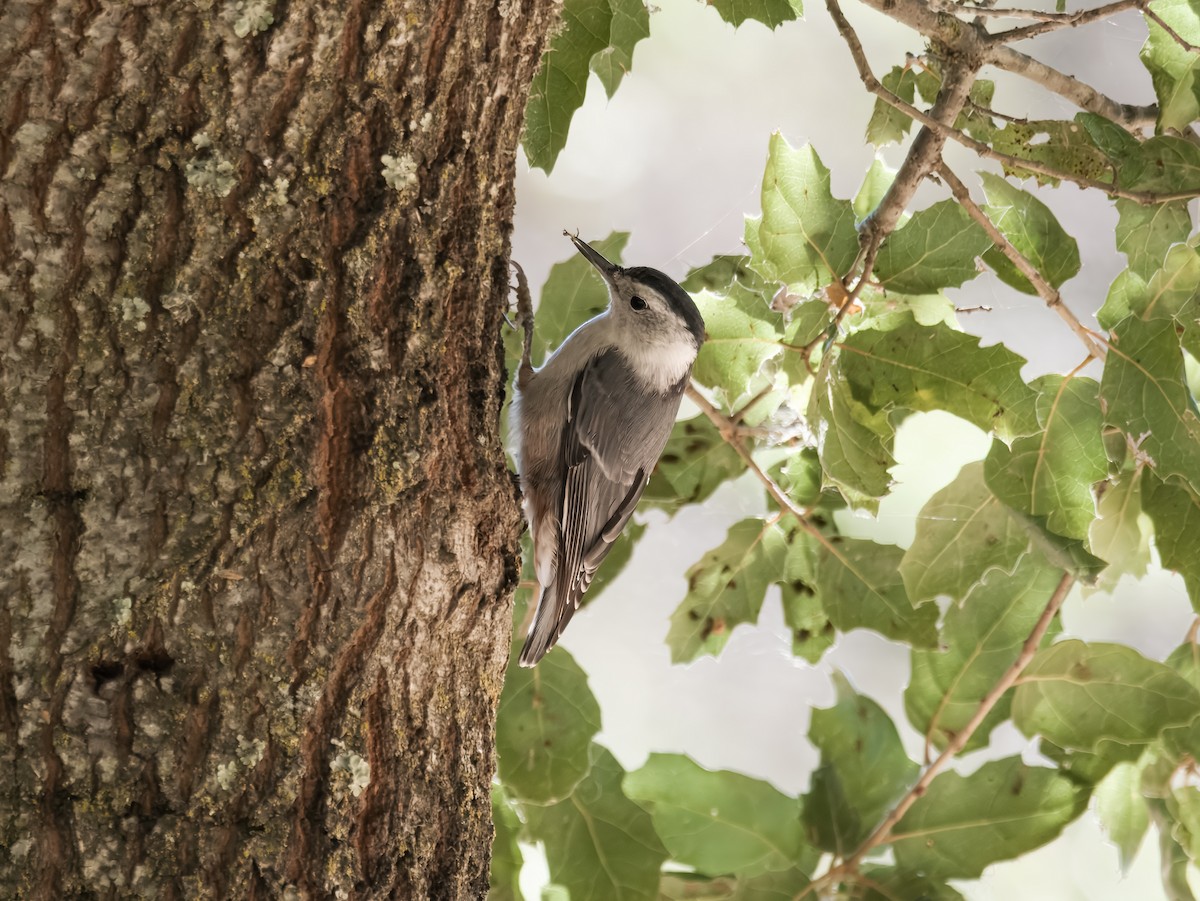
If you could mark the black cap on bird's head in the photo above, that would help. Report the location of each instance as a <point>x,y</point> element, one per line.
<point>667,287</point>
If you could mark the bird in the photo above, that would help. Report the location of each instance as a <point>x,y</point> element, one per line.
<point>590,425</point>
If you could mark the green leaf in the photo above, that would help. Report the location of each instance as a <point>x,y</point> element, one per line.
<point>936,368</point>
<point>874,186</point>
<point>1174,70</point>
<point>1081,695</point>
<point>1174,865</point>
<point>806,237</point>
<point>935,249</point>
<point>544,727</point>
<point>1000,811</point>
<point>1127,291</point>
<point>1184,806</point>
<point>863,770</point>
<point>1163,164</point>
<point>1110,138</point>
<point>694,464</point>
<point>1145,397</point>
<point>890,884</point>
<point>743,334</point>
<point>1122,810</point>
<point>1118,534</point>
<point>855,443</point>
<point>1146,231</point>
<point>1065,146</point>
<point>980,640</point>
<point>572,295</point>
<point>726,588</point>
<point>560,84</point>
<point>859,583</point>
<point>1173,291</point>
<point>962,532</point>
<point>1063,553</point>
<point>1051,473</point>
<point>599,845</point>
<point>1032,229</point>
<point>721,272</point>
<point>630,24</point>
<point>780,885</point>
<point>887,123</point>
<point>812,632</point>
<point>504,879</point>
<point>1175,511</point>
<point>717,821</point>
<point>771,13</point>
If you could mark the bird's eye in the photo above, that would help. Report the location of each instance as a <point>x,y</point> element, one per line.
<point>637,303</point>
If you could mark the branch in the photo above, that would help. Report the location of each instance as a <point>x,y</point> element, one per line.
<point>1045,290</point>
<point>963,37</point>
<point>922,157</point>
<point>1082,95</point>
<point>884,830</point>
<point>525,321</point>
<point>1052,21</point>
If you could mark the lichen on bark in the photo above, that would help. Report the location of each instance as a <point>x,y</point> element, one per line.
<point>259,538</point>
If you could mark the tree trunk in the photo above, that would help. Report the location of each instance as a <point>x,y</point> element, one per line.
<point>258,539</point>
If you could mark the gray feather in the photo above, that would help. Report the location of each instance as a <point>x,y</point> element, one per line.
<point>612,438</point>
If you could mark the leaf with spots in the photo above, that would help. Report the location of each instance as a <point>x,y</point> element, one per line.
<point>694,464</point>
<point>726,588</point>
<point>743,335</point>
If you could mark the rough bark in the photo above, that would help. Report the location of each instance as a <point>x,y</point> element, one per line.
<point>258,539</point>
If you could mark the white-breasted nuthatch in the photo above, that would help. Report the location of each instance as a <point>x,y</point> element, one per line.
<point>590,425</point>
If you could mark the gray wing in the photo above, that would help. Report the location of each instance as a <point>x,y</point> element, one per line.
<point>613,436</point>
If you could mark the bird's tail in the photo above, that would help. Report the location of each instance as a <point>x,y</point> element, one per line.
<point>548,624</point>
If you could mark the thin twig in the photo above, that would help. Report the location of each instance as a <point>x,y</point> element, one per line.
<point>1045,290</point>
<point>1053,21</point>
<point>883,831</point>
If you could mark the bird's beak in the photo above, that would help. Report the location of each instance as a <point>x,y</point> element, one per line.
<point>603,266</point>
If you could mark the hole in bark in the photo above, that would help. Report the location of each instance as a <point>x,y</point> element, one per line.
<point>154,660</point>
<point>105,671</point>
